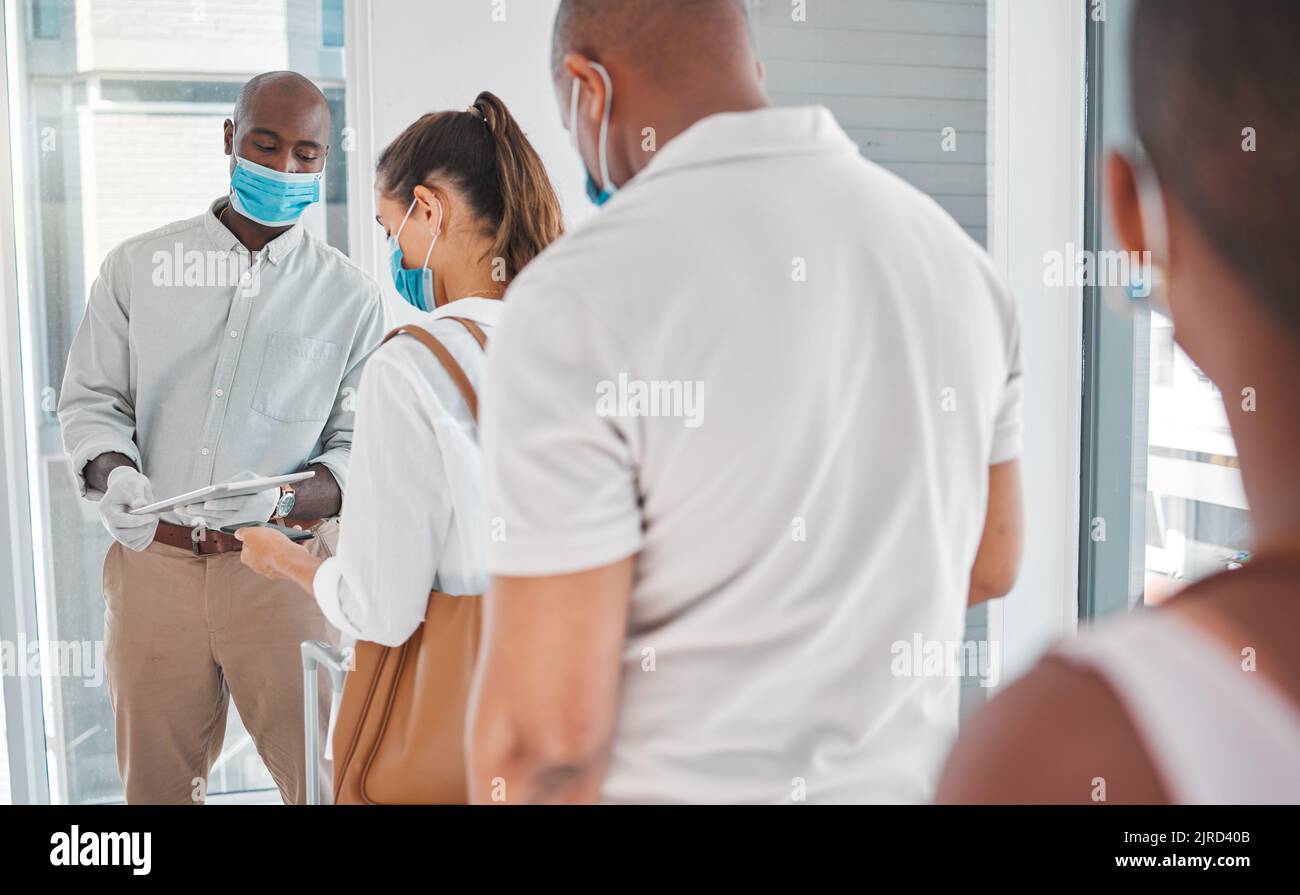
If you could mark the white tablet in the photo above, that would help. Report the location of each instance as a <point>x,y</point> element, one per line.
<point>229,489</point>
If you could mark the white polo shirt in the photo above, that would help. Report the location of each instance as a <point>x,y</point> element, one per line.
<point>777,374</point>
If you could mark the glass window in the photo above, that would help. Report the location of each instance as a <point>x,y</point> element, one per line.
<point>45,24</point>
<point>1163,498</point>
<point>117,126</point>
<point>331,12</point>
<point>4,758</point>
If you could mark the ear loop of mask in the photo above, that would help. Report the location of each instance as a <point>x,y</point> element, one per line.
<point>607,183</point>
<point>1155,234</point>
<point>1145,275</point>
<point>436,233</point>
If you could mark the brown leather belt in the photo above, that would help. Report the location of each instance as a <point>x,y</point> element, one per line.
<point>183,537</point>
<point>213,542</point>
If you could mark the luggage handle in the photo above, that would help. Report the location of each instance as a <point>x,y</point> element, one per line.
<point>317,653</point>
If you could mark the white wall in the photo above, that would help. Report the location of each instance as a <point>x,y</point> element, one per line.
<point>406,58</point>
<point>1037,194</point>
<point>895,75</point>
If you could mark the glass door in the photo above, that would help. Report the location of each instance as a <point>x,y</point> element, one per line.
<point>116,111</point>
<point>1163,500</point>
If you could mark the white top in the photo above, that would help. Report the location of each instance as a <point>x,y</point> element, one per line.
<point>1216,732</point>
<point>852,366</point>
<point>414,518</point>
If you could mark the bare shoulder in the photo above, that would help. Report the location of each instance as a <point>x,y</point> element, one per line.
<point>1252,611</point>
<point>1058,735</point>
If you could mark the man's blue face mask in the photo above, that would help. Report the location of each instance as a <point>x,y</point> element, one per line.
<point>416,286</point>
<point>602,192</point>
<point>270,197</point>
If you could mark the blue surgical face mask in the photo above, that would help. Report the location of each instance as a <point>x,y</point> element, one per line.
<point>602,192</point>
<point>416,286</point>
<point>270,197</point>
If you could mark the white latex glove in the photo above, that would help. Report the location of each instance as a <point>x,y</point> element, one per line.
<point>219,512</point>
<point>128,489</point>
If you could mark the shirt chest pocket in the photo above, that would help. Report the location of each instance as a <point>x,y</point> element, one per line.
<point>299,379</point>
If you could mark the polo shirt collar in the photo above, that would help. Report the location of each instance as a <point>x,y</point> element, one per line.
<point>276,250</point>
<point>762,133</point>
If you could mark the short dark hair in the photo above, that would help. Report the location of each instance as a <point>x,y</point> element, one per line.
<point>1203,72</point>
<point>652,34</point>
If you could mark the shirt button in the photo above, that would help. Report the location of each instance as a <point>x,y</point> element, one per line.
<point>220,392</point>
<point>205,452</point>
<point>234,334</point>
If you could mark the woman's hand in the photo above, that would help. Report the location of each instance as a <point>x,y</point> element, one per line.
<point>271,555</point>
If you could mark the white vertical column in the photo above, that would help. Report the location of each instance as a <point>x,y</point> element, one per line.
<point>1037,206</point>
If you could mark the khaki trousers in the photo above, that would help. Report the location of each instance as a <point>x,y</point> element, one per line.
<point>183,634</point>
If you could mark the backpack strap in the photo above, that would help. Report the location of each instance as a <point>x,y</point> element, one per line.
<point>454,369</point>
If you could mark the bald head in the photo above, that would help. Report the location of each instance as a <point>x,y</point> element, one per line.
<point>281,121</point>
<point>665,39</point>
<point>279,86</point>
<point>628,68</point>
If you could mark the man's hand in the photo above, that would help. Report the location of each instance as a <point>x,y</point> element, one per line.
<point>222,511</point>
<point>128,489</point>
<point>271,555</point>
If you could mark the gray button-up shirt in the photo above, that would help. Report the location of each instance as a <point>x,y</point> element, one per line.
<point>199,360</point>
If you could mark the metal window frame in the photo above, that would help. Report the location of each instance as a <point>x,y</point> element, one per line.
<point>23,695</point>
<point>25,707</point>
<point>1115,372</point>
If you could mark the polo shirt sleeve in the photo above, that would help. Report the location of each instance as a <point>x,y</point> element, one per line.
<point>561,479</point>
<point>1009,427</point>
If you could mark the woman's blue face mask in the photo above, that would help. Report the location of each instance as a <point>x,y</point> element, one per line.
<point>416,286</point>
<point>270,197</point>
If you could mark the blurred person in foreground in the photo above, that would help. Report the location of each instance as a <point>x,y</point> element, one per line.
<point>1198,701</point>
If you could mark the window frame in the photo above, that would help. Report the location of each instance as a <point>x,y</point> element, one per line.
<point>1114,409</point>
<point>1039,133</point>
<point>23,696</point>
<point>31,704</point>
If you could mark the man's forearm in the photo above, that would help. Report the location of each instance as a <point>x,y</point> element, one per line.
<point>300,567</point>
<point>98,470</point>
<point>522,777</point>
<point>317,498</point>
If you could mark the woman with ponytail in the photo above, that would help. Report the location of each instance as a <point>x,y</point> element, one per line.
<point>466,204</point>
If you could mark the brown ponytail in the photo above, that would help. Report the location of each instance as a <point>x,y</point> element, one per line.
<point>485,155</point>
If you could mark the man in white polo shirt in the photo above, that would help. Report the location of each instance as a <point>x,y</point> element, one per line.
<point>748,430</point>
